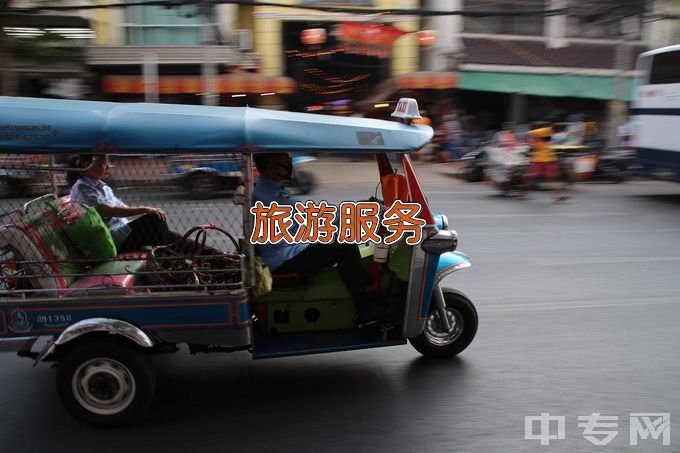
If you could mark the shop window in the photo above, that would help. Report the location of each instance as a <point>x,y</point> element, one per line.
<point>159,26</point>
<point>665,68</point>
<point>512,25</point>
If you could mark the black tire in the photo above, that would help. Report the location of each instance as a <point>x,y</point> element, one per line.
<point>7,189</point>
<point>304,181</point>
<point>475,174</point>
<point>104,365</point>
<point>436,343</point>
<point>201,184</point>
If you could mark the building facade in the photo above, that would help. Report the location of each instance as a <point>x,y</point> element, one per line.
<point>336,58</point>
<point>540,66</point>
<point>192,53</point>
<point>42,54</point>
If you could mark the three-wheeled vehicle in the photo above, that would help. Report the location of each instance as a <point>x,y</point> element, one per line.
<point>101,317</point>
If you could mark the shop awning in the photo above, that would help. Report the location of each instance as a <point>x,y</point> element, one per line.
<point>422,80</point>
<point>426,80</point>
<point>247,83</point>
<point>556,85</point>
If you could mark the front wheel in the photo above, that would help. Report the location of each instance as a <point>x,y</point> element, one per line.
<point>106,383</point>
<point>437,342</point>
<point>304,181</point>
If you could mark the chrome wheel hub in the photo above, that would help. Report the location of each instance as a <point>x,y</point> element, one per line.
<point>435,332</point>
<point>103,386</point>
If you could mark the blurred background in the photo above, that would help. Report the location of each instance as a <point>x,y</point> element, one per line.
<point>486,62</point>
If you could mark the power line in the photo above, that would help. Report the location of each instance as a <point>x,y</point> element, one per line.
<point>585,13</point>
<point>323,8</point>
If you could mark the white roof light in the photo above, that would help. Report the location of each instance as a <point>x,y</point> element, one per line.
<point>407,108</point>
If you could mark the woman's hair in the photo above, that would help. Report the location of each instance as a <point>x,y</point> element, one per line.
<point>76,165</point>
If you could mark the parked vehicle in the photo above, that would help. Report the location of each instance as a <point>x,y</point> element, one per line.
<point>33,176</point>
<point>102,320</point>
<point>655,111</point>
<point>614,165</point>
<point>206,175</point>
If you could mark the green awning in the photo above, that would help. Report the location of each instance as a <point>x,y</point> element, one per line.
<point>566,85</point>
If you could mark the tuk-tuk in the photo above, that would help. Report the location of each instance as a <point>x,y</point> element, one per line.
<point>101,317</point>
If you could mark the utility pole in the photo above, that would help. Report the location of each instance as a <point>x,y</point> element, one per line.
<point>622,63</point>
<point>211,90</point>
<point>9,84</point>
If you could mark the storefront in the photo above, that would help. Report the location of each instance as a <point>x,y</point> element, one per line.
<point>434,91</point>
<point>45,57</point>
<point>235,89</point>
<point>526,97</point>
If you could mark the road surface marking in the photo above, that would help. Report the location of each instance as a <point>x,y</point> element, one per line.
<point>569,231</point>
<point>588,304</point>
<point>609,260</point>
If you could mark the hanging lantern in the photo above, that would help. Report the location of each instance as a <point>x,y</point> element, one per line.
<point>313,36</point>
<point>427,37</point>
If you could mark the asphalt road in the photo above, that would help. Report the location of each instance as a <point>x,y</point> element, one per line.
<point>579,306</point>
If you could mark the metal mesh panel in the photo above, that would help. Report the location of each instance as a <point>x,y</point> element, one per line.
<point>41,256</point>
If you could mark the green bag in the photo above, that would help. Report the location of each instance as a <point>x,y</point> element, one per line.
<point>86,229</point>
<point>263,278</point>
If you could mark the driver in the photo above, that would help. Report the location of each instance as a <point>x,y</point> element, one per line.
<point>275,169</point>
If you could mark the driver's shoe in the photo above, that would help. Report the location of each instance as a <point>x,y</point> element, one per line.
<point>373,313</point>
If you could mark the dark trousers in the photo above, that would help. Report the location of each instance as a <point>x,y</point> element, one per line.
<point>150,230</point>
<point>319,256</point>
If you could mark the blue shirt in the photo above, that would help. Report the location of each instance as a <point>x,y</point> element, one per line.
<point>92,193</point>
<point>274,255</point>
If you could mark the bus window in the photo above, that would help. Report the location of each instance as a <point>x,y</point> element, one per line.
<point>665,68</point>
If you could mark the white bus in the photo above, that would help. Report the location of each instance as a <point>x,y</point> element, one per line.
<point>657,114</point>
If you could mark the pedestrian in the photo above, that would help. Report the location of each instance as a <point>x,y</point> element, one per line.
<point>544,164</point>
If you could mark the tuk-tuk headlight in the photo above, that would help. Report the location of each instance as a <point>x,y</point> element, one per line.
<point>441,242</point>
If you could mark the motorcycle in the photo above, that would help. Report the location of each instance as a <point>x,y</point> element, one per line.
<point>506,164</point>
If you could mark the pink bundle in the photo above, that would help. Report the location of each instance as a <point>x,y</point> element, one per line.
<point>71,212</point>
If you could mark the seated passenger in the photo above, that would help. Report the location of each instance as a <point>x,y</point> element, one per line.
<point>150,229</point>
<point>274,170</point>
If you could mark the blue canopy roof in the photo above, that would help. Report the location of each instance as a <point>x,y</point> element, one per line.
<point>38,125</point>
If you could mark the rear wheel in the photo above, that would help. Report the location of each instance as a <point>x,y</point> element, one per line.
<point>106,383</point>
<point>6,188</point>
<point>435,341</point>
<point>201,184</point>
<point>475,174</point>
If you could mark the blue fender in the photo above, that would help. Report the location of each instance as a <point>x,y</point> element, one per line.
<point>450,262</point>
